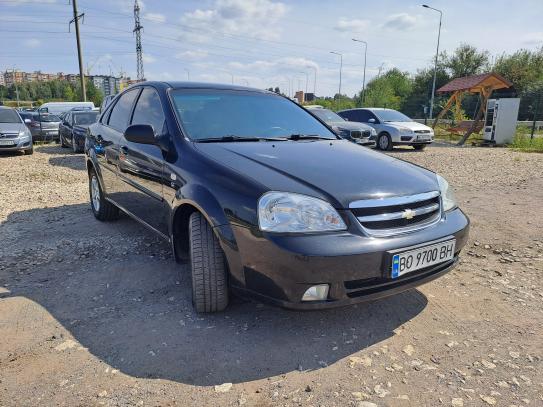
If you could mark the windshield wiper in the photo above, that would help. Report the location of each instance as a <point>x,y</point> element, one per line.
<point>308,137</point>
<point>232,138</point>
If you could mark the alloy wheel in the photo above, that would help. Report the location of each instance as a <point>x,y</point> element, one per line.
<point>95,193</point>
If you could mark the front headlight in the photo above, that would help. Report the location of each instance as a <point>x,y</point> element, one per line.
<point>447,194</point>
<point>405,131</point>
<point>286,212</point>
<point>22,133</point>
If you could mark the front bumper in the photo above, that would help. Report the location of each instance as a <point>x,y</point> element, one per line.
<point>279,269</point>
<point>20,143</point>
<point>367,142</point>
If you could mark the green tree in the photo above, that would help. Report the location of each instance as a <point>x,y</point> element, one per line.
<point>466,60</point>
<point>524,68</point>
<point>388,90</point>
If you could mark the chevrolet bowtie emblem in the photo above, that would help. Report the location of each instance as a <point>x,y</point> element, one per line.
<point>408,214</point>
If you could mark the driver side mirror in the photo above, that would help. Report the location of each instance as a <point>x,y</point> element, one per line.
<point>372,120</point>
<point>140,133</point>
<point>28,121</point>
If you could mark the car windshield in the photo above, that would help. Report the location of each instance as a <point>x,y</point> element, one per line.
<point>85,118</point>
<point>46,118</point>
<point>327,115</point>
<point>212,113</point>
<point>9,116</point>
<point>391,116</point>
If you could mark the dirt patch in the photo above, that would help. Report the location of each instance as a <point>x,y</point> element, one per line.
<point>99,313</point>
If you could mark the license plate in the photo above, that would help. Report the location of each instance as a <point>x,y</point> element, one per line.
<point>412,260</point>
<point>423,138</point>
<point>6,143</point>
<point>51,133</point>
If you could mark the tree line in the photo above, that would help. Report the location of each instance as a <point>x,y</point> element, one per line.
<point>410,93</point>
<point>54,90</point>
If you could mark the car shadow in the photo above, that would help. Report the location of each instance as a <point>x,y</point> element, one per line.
<point>72,161</point>
<point>51,148</point>
<point>117,290</point>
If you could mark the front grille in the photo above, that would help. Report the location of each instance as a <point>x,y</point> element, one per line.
<point>423,131</point>
<point>8,135</point>
<point>394,215</point>
<point>356,134</point>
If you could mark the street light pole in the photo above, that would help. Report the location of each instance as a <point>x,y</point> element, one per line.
<point>340,69</point>
<point>314,80</point>
<point>79,54</point>
<point>437,53</point>
<point>188,74</point>
<point>306,82</point>
<point>364,79</point>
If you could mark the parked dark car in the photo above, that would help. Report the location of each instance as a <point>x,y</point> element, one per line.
<point>43,126</point>
<point>74,128</point>
<point>356,132</point>
<point>265,201</point>
<point>14,134</point>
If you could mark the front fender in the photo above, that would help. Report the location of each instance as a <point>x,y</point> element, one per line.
<point>202,199</point>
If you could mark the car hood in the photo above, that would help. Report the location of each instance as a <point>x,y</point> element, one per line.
<point>11,127</point>
<point>338,171</point>
<point>349,126</point>
<point>409,125</point>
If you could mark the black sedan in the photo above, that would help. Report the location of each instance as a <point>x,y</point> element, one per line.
<point>74,128</point>
<point>265,201</point>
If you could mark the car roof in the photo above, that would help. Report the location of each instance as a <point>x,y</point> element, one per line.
<point>196,85</point>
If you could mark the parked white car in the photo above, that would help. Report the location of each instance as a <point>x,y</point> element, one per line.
<point>393,127</point>
<point>60,107</point>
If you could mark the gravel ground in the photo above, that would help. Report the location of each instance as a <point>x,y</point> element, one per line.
<point>99,313</point>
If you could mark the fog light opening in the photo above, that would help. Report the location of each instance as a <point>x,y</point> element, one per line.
<point>316,293</point>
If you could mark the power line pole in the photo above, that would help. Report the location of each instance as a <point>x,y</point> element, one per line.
<point>435,62</point>
<point>79,54</point>
<point>139,52</point>
<point>340,69</point>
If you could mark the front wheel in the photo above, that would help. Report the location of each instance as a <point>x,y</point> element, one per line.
<point>384,142</point>
<point>101,208</point>
<point>62,143</point>
<point>419,147</point>
<point>30,151</point>
<point>209,271</point>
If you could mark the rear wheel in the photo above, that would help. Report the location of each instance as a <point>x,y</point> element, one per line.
<point>62,143</point>
<point>384,142</point>
<point>209,271</point>
<point>101,208</point>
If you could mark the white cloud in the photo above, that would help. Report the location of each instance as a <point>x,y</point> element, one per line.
<point>355,25</point>
<point>148,58</point>
<point>401,21</point>
<point>192,54</point>
<point>254,18</point>
<point>155,17</point>
<point>32,43</point>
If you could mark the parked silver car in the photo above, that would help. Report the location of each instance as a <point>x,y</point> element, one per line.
<point>14,135</point>
<point>393,128</point>
<point>44,126</point>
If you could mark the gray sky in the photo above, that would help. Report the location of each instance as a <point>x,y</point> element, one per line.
<point>260,42</point>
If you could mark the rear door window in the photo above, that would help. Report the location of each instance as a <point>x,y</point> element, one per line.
<point>120,115</point>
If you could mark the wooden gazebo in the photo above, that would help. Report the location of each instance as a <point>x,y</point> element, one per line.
<point>484,85</point>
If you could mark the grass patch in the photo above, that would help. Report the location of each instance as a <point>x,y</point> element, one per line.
<point>522,142</point>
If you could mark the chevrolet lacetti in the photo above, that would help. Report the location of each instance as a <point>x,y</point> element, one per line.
<point>264,200</point>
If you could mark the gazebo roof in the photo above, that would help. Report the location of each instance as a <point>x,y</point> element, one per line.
<point>475,83</point>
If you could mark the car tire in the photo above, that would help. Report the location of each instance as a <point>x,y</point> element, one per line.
<point>75,147</point>
<point>384,142</point>
<point>30,151</point>
<point>208,264</point>
<point>419,147</point>
<point>102,209</point>
<point>62,143</point>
